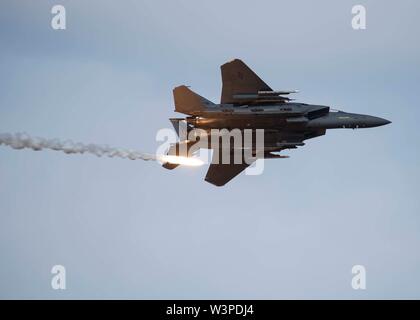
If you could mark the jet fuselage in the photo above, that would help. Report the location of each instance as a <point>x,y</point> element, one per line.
<point>293,116</point>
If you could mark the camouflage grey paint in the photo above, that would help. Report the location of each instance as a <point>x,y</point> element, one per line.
<point>249,103</point>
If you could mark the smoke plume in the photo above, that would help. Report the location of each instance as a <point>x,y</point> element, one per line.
<point>24,141</point>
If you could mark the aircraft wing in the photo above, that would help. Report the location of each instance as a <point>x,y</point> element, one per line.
<point>219,174</point>
<point>238,78</point>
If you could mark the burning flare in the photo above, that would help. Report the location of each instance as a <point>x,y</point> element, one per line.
<point>187,161</point>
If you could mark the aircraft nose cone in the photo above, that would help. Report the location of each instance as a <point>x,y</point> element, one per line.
<point>376,122</point>
<point>382,122</point>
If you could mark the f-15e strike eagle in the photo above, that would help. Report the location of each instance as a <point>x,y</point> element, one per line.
<point>247,102</point>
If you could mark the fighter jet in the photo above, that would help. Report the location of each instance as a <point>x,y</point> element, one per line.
<point>248,103</point>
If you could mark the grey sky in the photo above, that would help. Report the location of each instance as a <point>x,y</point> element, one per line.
<point>130,229</point>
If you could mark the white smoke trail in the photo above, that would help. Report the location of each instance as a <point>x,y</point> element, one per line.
<point>23,140</point>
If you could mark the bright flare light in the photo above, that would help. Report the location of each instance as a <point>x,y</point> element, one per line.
<point>182,160</point>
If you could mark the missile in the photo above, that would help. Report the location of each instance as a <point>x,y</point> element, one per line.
<point>276,93</point>
<point>259,97</point>
<point>267,95</point>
